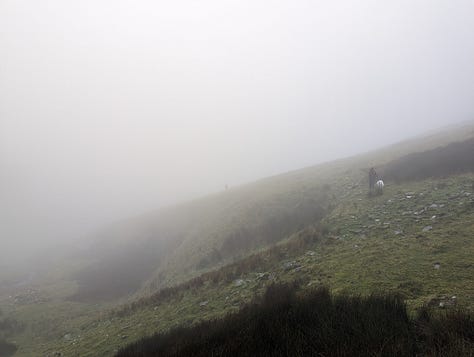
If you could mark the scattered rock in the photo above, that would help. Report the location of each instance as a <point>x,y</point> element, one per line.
<point>203,303</point>
<point>28,296</point>
<point>67,337</point>
<point>310,253</point>
<point>433,206</point>
<point>290,265</point>
<point>421,211</point>
<point>442,301</point>
<point>398,232</point>
<point>239,282</point>
<point>436,265</point>
<point>298,268</point>
<point>427,228</point>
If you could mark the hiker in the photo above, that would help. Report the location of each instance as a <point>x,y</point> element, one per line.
<point>372,179</point>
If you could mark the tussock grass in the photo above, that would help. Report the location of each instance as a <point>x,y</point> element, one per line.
<point>316,323</point>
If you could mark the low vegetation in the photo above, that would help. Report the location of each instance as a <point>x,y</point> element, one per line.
<point>455,158</point>
<point>7,348</point>
<point>8,327</point>
<point>317,323</point>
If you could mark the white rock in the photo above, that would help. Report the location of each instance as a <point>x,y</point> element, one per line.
<point>239,282</point>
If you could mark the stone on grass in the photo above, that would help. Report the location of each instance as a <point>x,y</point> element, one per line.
<point>290,265</point>
<point>239,282</point>
<point>427,228</point>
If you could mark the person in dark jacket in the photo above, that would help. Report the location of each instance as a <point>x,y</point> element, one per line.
<point>372,179</point>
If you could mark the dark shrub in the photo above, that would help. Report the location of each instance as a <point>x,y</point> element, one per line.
<point>7,349</point>
<point>454,158</point>
<point>280,323</point>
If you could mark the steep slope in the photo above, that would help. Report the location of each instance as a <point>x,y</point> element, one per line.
<point>415,240</point>
<point>207,258</point>
<point>171,245</point>
<point>207,233</point>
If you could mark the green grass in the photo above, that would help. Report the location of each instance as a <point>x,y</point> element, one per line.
<point>357,253</point>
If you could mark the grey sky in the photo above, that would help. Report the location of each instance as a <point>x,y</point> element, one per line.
<point>111,108</point>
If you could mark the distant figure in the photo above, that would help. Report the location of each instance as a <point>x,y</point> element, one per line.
<point>372,179</point>
<point>379,187</point>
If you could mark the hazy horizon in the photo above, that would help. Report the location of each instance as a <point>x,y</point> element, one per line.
<point>109,109</point>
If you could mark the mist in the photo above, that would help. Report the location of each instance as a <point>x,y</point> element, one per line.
<point>109,109</point>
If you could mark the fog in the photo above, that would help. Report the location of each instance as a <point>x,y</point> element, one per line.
<point>109,109</point>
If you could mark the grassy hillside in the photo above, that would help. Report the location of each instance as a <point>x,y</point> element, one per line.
<point>208,233</point>
<point>365,245</point>
<point>169,246</point>
<point>205,259</point>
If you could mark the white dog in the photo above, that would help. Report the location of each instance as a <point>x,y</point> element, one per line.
<point>379,187</point>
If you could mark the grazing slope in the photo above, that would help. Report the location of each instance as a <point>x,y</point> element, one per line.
<point>206,259</point>
<point>164,248</point>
